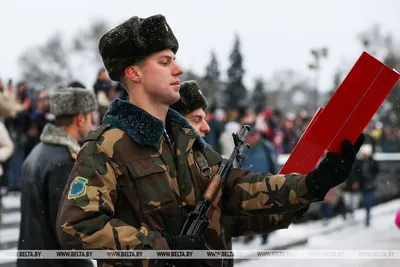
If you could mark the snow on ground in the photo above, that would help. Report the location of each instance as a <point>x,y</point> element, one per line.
<point>382,234</point>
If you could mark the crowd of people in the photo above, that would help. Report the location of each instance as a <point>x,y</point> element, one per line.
<point>284,130</point>
<point>24,112</point>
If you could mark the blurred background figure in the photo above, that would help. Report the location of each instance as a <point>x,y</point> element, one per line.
<point>366,170</point>
<point>216,121</point>
<point>46,170</point>
<point>351,194</point>
<point>20,131</point>
<point>6,150</point>
<point>104,91</point>
<point>262,157</point>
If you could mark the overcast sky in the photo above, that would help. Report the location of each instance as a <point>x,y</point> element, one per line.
<point>275,34</point>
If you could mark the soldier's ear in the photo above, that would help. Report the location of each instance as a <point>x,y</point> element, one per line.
<point>79,119</point>
<point>133,73</point>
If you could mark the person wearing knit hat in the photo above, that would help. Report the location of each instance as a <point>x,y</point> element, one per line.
<point>45,173</point>
<point>192,105</point>
<point>141,172</point>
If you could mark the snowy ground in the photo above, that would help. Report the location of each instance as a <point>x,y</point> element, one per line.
<point>382,234</point>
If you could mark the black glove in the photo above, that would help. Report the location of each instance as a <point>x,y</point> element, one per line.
<point>333,169</point>
<point>184,242</point>
<point>300,213</point>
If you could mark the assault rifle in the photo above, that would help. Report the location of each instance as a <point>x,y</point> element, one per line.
<point>197,221</point>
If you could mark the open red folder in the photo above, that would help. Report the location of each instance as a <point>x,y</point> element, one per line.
<point>346,114</point>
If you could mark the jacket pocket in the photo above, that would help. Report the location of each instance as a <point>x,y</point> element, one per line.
<point>152,185</point>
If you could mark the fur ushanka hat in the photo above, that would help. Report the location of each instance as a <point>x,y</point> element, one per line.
<point>133,40</point>
<point>191,98</point>
<point>71,101</point>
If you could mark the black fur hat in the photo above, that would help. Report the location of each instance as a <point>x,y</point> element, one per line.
<point>134,40</point>
<point>191,98</point>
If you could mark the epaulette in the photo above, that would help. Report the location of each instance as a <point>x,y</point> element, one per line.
<point>98,132</point>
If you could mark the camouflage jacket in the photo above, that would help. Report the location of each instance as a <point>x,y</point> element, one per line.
<point>129,183</point>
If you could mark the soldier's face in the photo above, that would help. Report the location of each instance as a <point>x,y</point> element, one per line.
<point>197,119</point>
<point>160,77</point>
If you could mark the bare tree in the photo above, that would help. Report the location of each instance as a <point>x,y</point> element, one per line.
<point>374,41</point>
<point>289,91</point>
<point>86,41</point>
<point>211,82</point>
<point>58,61</point>
<point>383,46</point>
<point>46,65</point>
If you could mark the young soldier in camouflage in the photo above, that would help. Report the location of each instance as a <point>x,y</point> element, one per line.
<point>192,105</point>
<point>137,176</point>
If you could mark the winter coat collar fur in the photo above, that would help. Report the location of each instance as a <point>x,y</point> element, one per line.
<point>141,126</point>
<point>54,135</point>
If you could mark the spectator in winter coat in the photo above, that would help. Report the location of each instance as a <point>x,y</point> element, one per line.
<point>366,170</point>
<point>6,146</point>
<point>261,157</point>
<point>45,173</point>
<point>103,89</point>
<point>351,194</point>
<point>6,150</point>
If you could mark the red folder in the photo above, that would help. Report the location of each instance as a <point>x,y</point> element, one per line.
<point>345,115</point>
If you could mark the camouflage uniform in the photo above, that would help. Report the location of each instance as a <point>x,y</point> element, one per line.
<point>129,183</point>
<point>191,99</point>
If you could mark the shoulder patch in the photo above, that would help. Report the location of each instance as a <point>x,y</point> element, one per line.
<point>98,132</point>
<point>78,188</point>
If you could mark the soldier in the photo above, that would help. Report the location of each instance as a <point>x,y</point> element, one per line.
<point>140,173</point>
<point>45,173</point>
<point>192,105</point>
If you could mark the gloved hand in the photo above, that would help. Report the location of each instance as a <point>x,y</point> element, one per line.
<point>300,213</point>
<point>333,169</point>
<point>184,242</point>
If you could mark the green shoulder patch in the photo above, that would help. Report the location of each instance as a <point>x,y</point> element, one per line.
<point>78,188</point>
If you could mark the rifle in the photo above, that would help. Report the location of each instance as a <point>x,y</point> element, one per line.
<point>197,221</point>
